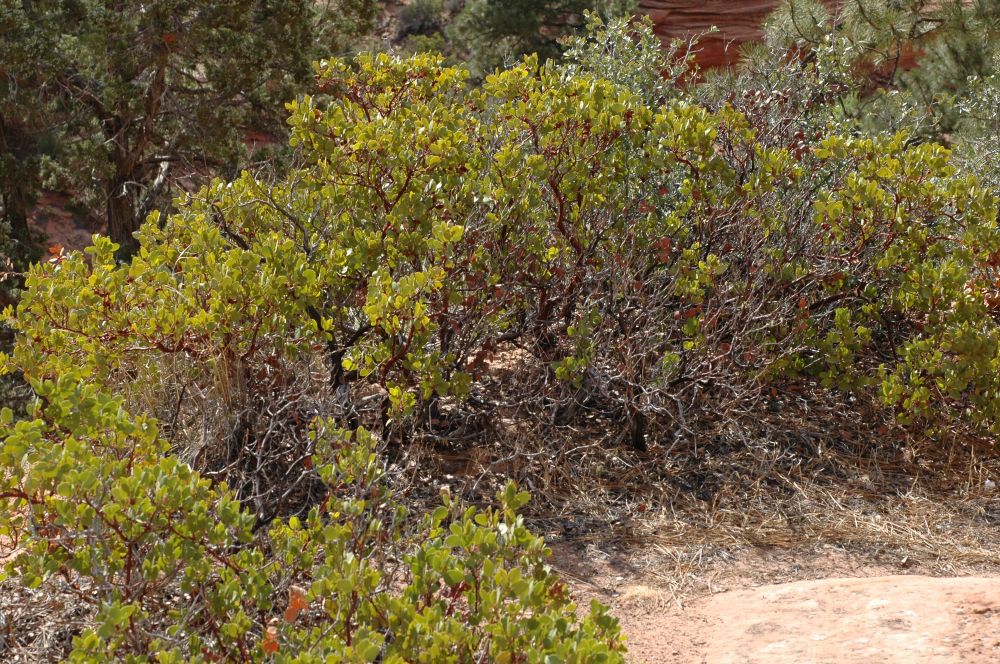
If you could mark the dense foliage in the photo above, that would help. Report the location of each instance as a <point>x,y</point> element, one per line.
<point>641,252</point>
<point>493,33</point>
<point>916,62</point>
<point>599,232</point>
<point>487,34</point>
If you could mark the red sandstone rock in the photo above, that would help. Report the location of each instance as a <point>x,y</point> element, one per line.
<point>738,21</point>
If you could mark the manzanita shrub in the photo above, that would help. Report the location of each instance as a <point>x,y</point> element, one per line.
<point>172,566</point>
<point>645,255</point>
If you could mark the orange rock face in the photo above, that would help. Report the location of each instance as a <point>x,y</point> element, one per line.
<point>738,21</point>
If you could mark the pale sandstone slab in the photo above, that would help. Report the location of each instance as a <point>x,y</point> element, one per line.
<point>888,620</point>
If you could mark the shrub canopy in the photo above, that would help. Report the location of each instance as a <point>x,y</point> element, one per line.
<point>646,252</point>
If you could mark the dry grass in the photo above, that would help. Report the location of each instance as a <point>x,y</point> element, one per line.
<point>802,471</point>
<point>39,625</point>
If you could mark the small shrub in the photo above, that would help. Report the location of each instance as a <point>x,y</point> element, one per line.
<point>492,34</point>
<point>651,258</point>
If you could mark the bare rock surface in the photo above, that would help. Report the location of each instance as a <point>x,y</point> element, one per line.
<point>796,607</point>
<point>736,21</point>
<point>891,620</point>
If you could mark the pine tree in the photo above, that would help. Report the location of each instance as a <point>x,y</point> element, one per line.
<point>135,94</point>
<point>907,55</point>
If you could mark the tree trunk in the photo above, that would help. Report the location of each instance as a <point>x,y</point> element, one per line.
<point>121,208</point>
<point>126,211</point>
<point>16,200</point>
<point>637,424</point>
<point>19,144</point>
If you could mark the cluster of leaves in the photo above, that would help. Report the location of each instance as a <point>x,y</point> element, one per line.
<point>977,130</point>
<point>494,33</point>
<point>490,34</point>
<point>171,565</point>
